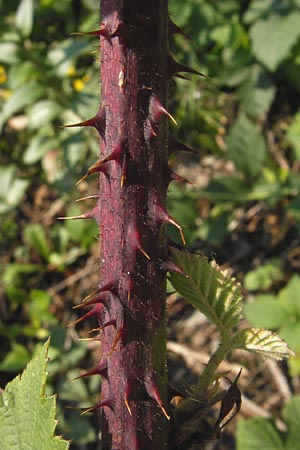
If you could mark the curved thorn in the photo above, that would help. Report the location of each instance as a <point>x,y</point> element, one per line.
<point>175,29</point>
<point>179,227</point>
<point>171,266</point>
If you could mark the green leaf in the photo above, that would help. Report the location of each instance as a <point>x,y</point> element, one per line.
<point>16,359</point>
<point>262,342</point>
<point>226,188</point>
<point>262,277</point>
<point>290,331</point>
<point>258,434</point>
<point>24,17</point>
<point>39,308</point>
<point>43,112</point>
<point>63,56</point>
<point>273,38</point>
<point>265,311</point>
<point>289,297</point>
<point>9,53</point>
<point>207,288</point>
<point>27,415</point>
<point>12,188</point>
<point>37,147</point>
<point>246,146</point>
<point>257,92</point>
<point>293,135</point>
<point>291,415</point>
<point>22,97</point>
<point>36,237</point>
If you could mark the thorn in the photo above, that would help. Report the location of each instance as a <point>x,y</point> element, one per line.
<point>88,215</point>
<point>97,167</point>
<point>156,109</point>
<point>110,287</point>
<point>98,122</point>
<point>100,369</point>
<point>144,253</point>
<point>102,298</point>
<point>89,339</point>
<point>134,239</point>
<point>176,177</point>
<point>116,155</point>
<point>176,146</point>
<point>174,69</point>
<point>94,312</point>
<point>104,31</point>
<point>89,197</point>
<point>175,29</point>
<point>93,214</point>
<point>152,391</point>
<point>103,403</point>
<point>126,397</point>
<point>162,214</point>
<point>179,227</point>
<point>81,216</point>
<point>171,266</point>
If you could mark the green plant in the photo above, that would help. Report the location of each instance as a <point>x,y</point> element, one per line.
<point>24,403</point>
<point>263,433</point>
<point>133,177</point>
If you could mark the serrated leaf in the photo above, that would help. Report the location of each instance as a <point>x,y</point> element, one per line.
<point>273,38</point>
<point>207,288</point>
<point>27,416</point>
<point>246,146</point>
<point>262,342</point>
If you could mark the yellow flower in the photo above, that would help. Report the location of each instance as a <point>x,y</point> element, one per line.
<point>78,85</point>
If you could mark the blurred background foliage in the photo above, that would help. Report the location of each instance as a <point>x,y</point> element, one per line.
<point>242,207</point>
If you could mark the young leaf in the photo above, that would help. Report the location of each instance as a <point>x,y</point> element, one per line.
<point>207,288</point>
<point>262,342</point>
<point>27,415</point>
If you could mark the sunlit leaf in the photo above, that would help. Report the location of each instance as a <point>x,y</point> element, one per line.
<point>262,342</point>
<point>27,415</point>
<point>208,288</point>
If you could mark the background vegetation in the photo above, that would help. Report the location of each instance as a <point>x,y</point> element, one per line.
<point>242,209</point>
